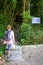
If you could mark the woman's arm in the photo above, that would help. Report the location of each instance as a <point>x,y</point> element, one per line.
<point>13,37</point>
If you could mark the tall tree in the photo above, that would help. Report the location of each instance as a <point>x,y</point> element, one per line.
<point>7,7</point>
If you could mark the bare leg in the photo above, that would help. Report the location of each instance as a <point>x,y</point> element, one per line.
<point>9,50</point>
<point>9,53</point>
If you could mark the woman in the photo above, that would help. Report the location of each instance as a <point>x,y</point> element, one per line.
<point>9,38</point>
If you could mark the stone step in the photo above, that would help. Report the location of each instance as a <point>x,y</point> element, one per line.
<point>16,54</point>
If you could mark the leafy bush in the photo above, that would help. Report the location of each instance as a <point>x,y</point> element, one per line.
<point>24,41</point>
<point>30,36</point>
<point>25,32</point>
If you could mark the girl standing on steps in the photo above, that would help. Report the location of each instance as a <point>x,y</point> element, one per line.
<point>9,39</point>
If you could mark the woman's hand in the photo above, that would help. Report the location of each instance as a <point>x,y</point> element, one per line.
<point>5,42</point>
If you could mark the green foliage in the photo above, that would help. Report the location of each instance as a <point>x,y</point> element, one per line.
<point>4,21</point>
<point>2,50</point>
<point>26,27</point>
<point>25,32</point>
<point>7,9</point>
<point>31,36</point>
<point>26,17</point>
<point>14,3</point>
<point>1,53</point>
<point>24,41</point>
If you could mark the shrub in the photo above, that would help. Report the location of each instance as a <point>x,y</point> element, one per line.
<point>30,36</point>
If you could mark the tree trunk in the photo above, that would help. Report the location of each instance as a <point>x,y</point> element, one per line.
<point>24,5</point>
